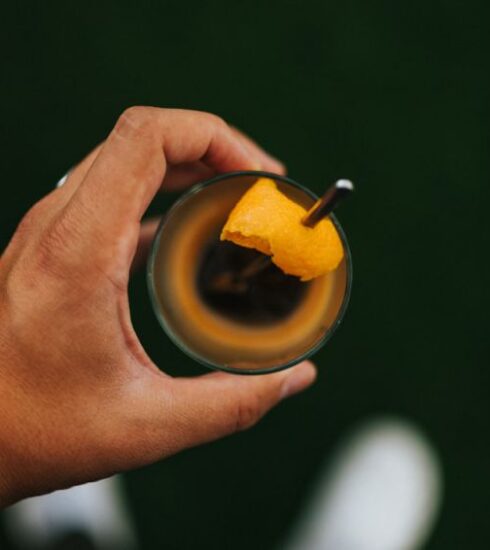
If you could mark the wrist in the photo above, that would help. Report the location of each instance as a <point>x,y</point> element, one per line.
<point>8,432</point>
<point>6,497</point>
<point>6,441</point>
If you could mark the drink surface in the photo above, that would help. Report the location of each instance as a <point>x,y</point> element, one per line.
<point>221,318</point>
<point>261,298</point>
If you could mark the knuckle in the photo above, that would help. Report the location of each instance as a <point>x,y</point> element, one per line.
<point>247,413</point>
<point>134,121</point>
<point>53,249</point>
<point>135,112</point>
<point>35,218</point>
<point>31,218</point>
<point>215,120</point>
<point>26,224</point>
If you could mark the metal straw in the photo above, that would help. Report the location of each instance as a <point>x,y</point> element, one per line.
<point>322,208</point>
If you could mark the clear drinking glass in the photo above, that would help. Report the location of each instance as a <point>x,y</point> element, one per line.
<point>263,325</point>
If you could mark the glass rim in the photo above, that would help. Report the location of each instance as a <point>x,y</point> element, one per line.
<point>155,301</point>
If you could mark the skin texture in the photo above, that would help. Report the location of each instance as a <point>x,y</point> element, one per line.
<point>79,397</point>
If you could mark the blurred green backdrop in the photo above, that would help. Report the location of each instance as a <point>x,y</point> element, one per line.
<point>396,96</point>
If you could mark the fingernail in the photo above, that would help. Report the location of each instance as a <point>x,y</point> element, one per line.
<point>300,378</point>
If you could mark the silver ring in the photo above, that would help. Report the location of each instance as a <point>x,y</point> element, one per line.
<point>62,181</point>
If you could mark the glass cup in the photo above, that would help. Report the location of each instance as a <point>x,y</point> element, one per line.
<point>252,325</point>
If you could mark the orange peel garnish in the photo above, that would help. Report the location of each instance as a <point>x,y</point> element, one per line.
<point>268,221</point>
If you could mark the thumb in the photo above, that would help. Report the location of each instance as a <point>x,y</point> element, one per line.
<point>196,410</point>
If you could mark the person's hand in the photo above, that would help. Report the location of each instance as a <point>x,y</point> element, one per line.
<point>79,397</point>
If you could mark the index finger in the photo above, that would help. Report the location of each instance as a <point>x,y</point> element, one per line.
<point>131,165</point>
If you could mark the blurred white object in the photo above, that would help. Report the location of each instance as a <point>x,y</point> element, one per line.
<point>95,509</point>
<point>382,492</point>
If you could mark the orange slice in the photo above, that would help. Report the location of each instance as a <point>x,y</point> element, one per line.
<point>270,222</point>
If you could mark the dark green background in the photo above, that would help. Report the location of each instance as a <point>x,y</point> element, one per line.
<point>394,95</point>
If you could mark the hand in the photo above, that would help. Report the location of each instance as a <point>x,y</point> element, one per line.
<point>79,397</point>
